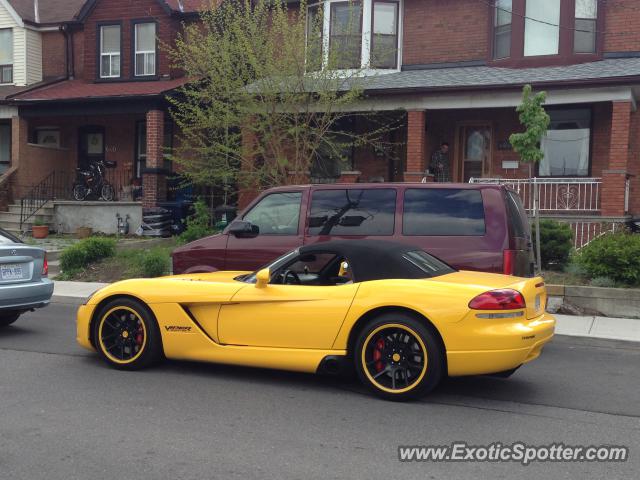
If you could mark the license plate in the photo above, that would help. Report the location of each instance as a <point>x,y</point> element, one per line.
<point>11,271</point>
<point>538,303</point>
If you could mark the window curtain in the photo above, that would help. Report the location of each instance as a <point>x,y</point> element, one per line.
<point>566,152</point>
<point>6,46</point>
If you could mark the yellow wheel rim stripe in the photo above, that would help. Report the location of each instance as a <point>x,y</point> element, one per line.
<point>104,349</point>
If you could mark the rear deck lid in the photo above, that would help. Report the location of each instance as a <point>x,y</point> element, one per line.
<point>20,263</point>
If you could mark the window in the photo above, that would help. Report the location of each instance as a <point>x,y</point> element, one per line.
<point>276,214</point>
<point>584,38</point>
<point>443,211</point>
<point>345,35</point>
<point>6,55</point>
<point>541,28</point>
<point>384,40</point>
<point>5,147</point>
<point>110,51</point>
<point>427,263</point>
<point>354,34</point>
<point>352,212</point>
<point>145,49</point>
<point>48,137</point>
<point>502,29</point>
<point>315,25</point>
<point>566,145</point>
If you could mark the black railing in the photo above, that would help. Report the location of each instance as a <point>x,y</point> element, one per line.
<point>49,188</point>
<point>58,185</point>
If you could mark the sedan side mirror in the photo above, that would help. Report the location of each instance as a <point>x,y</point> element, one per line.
<point>262,278</point>
<point>242,229</point>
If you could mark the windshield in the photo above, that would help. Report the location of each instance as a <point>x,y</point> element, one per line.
<point>273,266</point>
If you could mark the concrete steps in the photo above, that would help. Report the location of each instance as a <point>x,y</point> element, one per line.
<point>10,220</point>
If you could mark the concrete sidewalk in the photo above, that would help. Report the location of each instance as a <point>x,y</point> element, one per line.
<point>75,293</point>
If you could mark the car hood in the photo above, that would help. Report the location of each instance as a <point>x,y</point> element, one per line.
<point>193,288</point>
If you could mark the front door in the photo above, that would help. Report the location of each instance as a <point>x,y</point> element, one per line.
<point>91,146</point>
<point>475,151</point>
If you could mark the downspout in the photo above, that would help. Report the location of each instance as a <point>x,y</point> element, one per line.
<point>36,11</point>
<point>68,51</point>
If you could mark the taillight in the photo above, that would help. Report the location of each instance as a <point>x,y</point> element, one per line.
<point>45,266</point>
<point>508,261</point>
<point>504,299</point>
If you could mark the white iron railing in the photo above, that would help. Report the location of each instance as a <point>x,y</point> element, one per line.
<point>555,194</point>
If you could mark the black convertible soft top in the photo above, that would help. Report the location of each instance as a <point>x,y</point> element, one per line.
<point>379,260</point>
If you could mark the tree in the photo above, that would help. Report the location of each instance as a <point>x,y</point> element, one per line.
<point>267,99</point>
<point>527,144</point>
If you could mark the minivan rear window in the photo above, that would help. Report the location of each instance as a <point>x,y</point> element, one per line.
<point>443,212</point>
<point>353,212</point>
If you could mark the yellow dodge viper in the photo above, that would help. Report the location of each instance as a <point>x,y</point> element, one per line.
<point>399,316</point>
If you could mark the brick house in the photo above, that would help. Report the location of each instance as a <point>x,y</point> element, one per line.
<point>456,72</point>
<point>107,102</point>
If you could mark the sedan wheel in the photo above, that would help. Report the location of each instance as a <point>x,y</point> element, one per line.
<point>398,357</point>
<point>7,319</point>
<point>126,335</point>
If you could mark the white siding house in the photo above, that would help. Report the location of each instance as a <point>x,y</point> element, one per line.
<point>25,53</point>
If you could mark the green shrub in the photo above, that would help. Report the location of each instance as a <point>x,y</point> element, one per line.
<point>556,244</point>
<point>616,256</point>
<point>603,282</point>
<point>198,224</point>
<point>575,269</point>
<point>155,263</point>
<point>78,256</point>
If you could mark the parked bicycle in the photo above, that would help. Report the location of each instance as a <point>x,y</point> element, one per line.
<point>91,181</point>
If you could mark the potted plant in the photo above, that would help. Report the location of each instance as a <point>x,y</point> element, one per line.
<point>39,229</point>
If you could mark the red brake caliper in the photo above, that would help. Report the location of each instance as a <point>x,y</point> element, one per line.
<point>377,354</point>
<point>139,336</point>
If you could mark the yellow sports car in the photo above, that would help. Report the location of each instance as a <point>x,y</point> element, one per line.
<point>399,316</point>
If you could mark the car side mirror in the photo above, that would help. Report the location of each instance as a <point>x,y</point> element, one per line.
<point>242,229</point>
<point>262,278</point>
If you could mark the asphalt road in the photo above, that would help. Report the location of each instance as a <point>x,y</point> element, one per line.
<point>65,415</point>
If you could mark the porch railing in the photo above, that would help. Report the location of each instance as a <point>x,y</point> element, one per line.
<point>58,185</point>
<point>556,195</point>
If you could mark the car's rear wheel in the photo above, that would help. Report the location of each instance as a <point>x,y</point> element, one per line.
<point>126,335</point>
<point>8,318</point>
<point>398,357</point>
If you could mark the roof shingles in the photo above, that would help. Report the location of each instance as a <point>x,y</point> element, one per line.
<point>83,90</point>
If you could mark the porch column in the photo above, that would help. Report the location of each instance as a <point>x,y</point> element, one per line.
<point>154,177</point>
<point>19,139</point>
<point>416,146</point>
<point>615,176</point>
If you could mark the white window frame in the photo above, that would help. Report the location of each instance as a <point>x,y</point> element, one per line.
<point>367,24</point>
<point>110,55</point>
<point>145,53</point>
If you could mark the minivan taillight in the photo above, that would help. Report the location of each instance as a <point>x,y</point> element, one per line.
<point>503,299</point>
<point>508,262</point>
<point>45,266</point>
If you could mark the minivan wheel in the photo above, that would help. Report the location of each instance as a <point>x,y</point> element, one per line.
<point>398,358</point>
<point>8,318</point>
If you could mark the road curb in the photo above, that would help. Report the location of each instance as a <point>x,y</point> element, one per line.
<point>67,300</point>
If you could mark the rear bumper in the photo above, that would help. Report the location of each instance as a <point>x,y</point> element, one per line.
<point>24,296</point>
<point>522,343</point>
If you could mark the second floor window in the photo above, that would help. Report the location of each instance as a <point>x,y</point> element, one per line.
<point>502,29</point>
<point>353,34</point>
<point>110,51</point>
<point>584,39</point>
<point>541,28</point>
<point>145,43</point>
<point>6,55</point>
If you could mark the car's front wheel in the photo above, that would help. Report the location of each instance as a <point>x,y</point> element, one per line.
<point>398,357</point>
<point>126,335</point>
<point>8,318</point>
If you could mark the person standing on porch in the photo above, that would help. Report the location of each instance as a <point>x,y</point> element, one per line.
<point>439,166</point>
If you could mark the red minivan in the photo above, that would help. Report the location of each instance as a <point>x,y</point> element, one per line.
<point>470,226</point>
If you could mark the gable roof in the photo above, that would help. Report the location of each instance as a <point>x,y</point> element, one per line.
<point>50,11</point>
